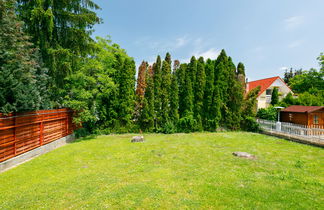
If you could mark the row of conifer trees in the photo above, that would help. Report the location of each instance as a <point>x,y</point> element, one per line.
<point>195,96</point>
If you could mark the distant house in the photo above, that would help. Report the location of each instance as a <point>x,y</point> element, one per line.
<point>304,115</point>
<point>266,87</point>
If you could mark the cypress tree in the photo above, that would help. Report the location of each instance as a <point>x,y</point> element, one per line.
<point>221,85</point>
<point>165,89</point>
<point>241,74</point>
<point>23,80</point>
<point>174,97</point>
<point>199,92</point>
<point>235,91</point>
<point>140,88</point>
<point>147,113</point>
<point>157,77</point>
<point>275,96</point>
<point>192,71</point>
<point>181,78</point>
<point>208,96</point>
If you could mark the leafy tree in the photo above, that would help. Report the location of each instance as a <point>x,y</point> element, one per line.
<point>102,90</point>
<point>307,80</point>
<point>62,31</point>
<point>275,96</point>
<point>23,80</point>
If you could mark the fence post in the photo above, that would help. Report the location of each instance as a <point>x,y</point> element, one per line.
<point>41,133</point>
<point>15,139</point>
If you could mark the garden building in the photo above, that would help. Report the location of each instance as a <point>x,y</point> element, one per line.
<point>304,115</point>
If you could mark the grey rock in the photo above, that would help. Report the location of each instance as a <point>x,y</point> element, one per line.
<point>244,155</point>
<point>137,139</point>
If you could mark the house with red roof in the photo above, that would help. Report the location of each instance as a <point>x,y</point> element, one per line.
<point>304,115</point>
<point>266,88</point>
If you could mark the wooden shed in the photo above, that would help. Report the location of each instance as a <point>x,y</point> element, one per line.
<point>303,115</point>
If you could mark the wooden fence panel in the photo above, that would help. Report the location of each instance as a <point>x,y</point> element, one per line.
<point>23,132</point>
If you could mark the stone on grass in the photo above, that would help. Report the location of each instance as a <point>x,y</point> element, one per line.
<point>244,155</point>
<point>138,139</point>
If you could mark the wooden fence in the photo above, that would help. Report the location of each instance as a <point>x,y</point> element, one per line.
<point>23,132</point>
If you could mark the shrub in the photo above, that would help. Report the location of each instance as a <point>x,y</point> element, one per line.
<point>269,113</point>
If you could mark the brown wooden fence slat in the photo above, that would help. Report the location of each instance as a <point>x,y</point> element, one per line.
<point>22,132</point>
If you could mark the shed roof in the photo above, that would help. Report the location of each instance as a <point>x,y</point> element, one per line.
<point>302,109</point>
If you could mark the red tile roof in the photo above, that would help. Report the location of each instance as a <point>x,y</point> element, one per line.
<point>297,108</point>
<point>263,83</point>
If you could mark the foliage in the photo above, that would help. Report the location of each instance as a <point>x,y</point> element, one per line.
<point>249,108</point>
<point>199,93</point>
<point>275,96</point>
<point>62,31</point>
<point>102,91</point>
<point>23,79</point>
<point>269,113</point>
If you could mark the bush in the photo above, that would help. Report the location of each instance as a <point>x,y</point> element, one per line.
<point>269,113</point>
<point>250,124</point>
<point>187,124</point>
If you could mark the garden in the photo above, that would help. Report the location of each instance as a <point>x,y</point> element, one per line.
<point>175,171</point>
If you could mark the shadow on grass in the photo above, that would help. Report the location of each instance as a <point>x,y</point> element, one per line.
<point>86,138</point>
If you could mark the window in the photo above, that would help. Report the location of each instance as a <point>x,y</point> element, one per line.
<point>315,119</point>
<point>290,117</point>
<point>268,92</point>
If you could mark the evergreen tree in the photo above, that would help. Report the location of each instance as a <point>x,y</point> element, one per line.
<point>23,80</point>
<point>181,78</point>
<point>275,96</point>
<point>249,110</point>
<point>199,92</point>
<point>62,31</point>
<point>208,96</point>
<point>235,92</point>
<point>165,90</point>
<point>157,77</point>
<point>221,86</point>
<point>147,113</point>
<point>174,98</point>
<point>241,74</point>
<point>192,71</point>
<point>140,88</point>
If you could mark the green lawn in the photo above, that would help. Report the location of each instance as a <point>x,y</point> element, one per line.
<point>195,171</point>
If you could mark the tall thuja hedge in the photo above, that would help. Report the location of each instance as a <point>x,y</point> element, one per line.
<point>234,104</point>
<point>146,118</point>
<point>174,95</point>
<point>157,80</point>
<point>23,80</point>
<point>208,114</point>
<point>165,90</point>
<point>200,83</point>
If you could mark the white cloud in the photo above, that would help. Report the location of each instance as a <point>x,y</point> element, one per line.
<point>284,68</point>
<point>181,42</point>
<point>211,53</point>
<point>295,44</point>
<point>294,22</point>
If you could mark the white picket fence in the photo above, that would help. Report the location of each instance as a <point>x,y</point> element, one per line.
<point>313,132</point>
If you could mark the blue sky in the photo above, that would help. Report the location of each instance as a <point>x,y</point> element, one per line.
<point>266,35</point>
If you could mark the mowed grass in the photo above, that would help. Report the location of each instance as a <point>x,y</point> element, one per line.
<point>180,171</point>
